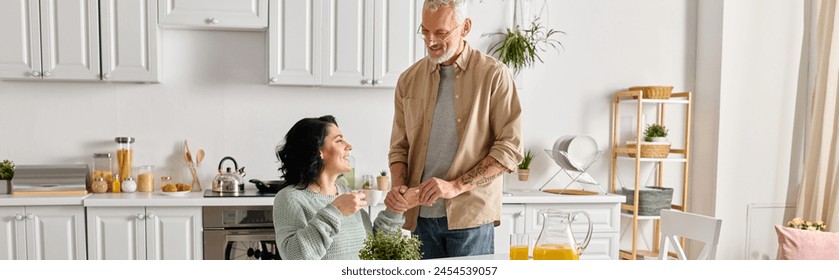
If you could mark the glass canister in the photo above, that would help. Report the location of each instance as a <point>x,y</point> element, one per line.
<point>125,154</point>
<point>145,178</point>
<point>103,168</point>
<point>99,185</point>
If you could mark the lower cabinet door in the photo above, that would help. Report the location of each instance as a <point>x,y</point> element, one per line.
<point>12,233</point>
<point>116,233</point>
<point>55,233</point>
<point>174,233</point>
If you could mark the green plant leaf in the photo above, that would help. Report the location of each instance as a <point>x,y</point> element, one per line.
<point>390,246</point>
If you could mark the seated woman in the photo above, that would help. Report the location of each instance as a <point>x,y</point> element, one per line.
<point>315,218</point>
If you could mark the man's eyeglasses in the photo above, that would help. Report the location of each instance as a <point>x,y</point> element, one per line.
<point>433,39</point>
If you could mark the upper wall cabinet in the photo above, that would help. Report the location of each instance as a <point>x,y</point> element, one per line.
<point>57,40</point>
<point>60,40</point>
<point>368,43</point>
<point>130,41</point>
<point>214,14</point>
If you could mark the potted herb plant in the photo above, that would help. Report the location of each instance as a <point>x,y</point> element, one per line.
<point>7,172</point>
<point>390,246</point>
<point>382,180</point>
<point>519,47</point>
<point>524,165</point>
<point>655,144</point>
<point>655,133</point>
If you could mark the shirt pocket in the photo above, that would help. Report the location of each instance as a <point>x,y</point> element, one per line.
<point>414,110</point>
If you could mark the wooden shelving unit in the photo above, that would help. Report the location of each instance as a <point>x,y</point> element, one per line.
<point>679,153</point>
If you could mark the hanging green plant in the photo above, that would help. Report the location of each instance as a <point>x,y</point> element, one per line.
<point>520,48</point>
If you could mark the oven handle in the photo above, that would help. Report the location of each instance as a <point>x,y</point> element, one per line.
<point>249,235</point>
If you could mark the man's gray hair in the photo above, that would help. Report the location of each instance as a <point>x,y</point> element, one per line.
<point>458,5</point>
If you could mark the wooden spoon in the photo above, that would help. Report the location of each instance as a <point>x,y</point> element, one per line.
<point>200,156</point>
<point>188,155</point>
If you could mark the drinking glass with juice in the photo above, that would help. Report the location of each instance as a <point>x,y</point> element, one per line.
<point>519,246</point>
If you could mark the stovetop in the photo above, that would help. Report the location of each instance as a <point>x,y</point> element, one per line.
<point>247,193</point>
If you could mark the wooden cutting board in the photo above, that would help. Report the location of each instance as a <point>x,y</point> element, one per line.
<point>570,192</point>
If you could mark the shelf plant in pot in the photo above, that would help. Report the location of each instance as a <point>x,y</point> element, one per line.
<point>382,181</point>
<point>524,165</point>
<point>655,144</point>
<point>7,172</point>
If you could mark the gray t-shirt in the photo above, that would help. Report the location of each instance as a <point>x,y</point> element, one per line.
<point>442,142</point>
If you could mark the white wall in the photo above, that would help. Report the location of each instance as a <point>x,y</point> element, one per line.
<point>756,86</point>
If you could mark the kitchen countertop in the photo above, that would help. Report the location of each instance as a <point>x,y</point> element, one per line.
<point>198,199</point>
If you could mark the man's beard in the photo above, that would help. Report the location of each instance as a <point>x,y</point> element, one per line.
<point>448,54</point>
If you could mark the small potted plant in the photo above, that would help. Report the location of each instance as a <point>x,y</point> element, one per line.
<point>390,246</point>
<point>7,172</point>
<point>655,133</point>
<point>524,165</point>
<point>655,144</point>
<point>382,180</point>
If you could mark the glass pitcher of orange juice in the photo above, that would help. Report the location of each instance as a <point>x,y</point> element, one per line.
<point>556,241</point>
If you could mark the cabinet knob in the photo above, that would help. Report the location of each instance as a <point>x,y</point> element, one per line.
<point>47,73</point>
<point>19,217</point>
<point>150,216</point>
<point>520,213</point>
<point>377,82</point>
<point>106,76</point>
<point>366,82</point>
<point>140,216</point>
<point>275,80</point>
<point>213,21</point>
<point>36,74</point>
<point>29,216</point>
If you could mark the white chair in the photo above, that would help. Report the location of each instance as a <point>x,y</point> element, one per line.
<point>675,224</point>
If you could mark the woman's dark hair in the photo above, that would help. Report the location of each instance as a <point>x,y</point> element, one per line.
<point>300,154</point>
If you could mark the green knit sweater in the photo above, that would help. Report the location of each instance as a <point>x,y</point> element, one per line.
<point>309,227</point>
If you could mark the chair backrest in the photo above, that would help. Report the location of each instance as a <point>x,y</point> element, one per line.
<point>675,224</point>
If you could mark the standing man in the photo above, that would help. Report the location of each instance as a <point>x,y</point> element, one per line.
<point>456,130</point>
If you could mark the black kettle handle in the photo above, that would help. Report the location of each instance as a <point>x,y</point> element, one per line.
<point>235,165</point>
<point>257,182</point>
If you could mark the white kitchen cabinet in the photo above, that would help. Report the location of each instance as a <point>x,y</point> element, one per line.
<point>130,41</point>
<point>56,40</point>
<point>42,233</point>
<point>214,14</point>
<point>140,233</point>
<point>512,221</point>
<point>347,43</point>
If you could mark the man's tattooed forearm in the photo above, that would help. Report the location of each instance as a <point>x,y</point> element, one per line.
<point>481,173</point>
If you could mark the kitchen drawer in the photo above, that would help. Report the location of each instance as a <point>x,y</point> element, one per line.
<point>604,217</point>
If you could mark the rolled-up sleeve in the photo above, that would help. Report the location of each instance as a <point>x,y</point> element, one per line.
<point>505,118</point>
<point>398,136</point>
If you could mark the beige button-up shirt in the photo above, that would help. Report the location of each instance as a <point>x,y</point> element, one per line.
<point>488,118</point>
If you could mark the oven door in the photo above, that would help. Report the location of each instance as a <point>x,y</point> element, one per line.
<point>240,244</point>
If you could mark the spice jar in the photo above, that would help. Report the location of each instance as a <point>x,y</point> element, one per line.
<point>102,168</point>
<point>125,154</point>
<point>129,185</point>
<point>99,185</point>
<point>145,178</point>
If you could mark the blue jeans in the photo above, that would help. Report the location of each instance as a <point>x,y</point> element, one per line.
<point>438,241</point>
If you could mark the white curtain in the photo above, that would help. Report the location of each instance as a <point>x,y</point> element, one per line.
<point>818,196</point>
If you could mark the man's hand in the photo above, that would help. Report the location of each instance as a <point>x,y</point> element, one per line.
<point>400,199</point>
<point>435,188</point>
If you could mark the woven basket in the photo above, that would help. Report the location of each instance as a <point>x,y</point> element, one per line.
<point>651,150</point>
<point>654,92</point>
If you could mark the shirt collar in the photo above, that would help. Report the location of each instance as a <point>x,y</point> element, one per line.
<point>461,62</point>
